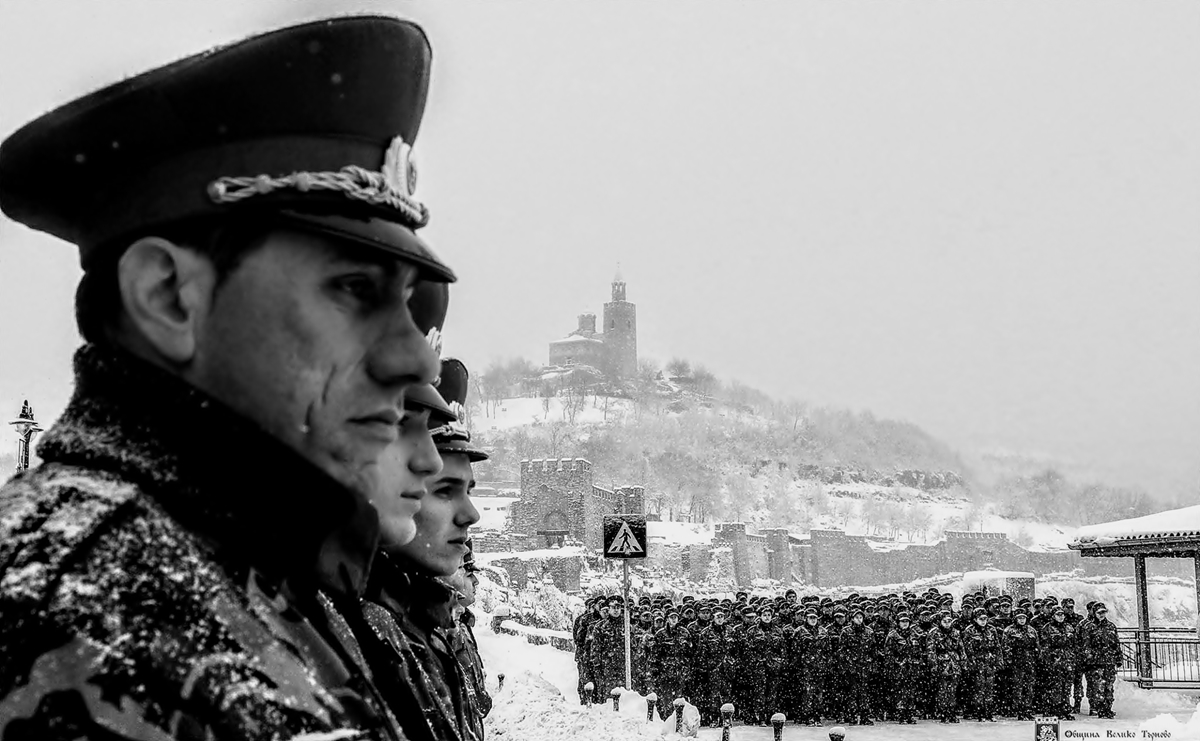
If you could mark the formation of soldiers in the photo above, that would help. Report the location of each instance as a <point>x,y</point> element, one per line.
<point>898,657</point>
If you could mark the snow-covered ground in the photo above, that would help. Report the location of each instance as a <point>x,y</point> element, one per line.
<point>493,512</point>
<point>539,702</point>
<point>537,411</point>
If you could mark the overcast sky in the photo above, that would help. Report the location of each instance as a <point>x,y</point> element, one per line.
<point>980,217</point>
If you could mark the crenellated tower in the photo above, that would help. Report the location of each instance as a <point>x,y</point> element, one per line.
<point>620,331</point>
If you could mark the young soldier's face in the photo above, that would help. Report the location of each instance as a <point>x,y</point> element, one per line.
<point>406,465</point>
<point>444,520</point>
<point>314,341</point>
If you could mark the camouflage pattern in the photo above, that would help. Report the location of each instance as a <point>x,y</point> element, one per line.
<point>1058,660</point>
<point>983,649</point>
<point>1020,657</point>
<point>1101,655</point>
<point>410,615</point>
<point>905,651</point>
<point>606,655</point>
<point>670,663</point>
<point>138,598</point>
<point>946,655</point>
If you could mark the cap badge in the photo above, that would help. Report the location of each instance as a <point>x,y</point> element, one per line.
<point>391,187</point>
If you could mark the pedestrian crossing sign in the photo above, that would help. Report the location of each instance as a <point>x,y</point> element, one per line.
<point>624,536</point>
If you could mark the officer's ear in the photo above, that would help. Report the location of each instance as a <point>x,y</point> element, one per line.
<point>165,290</point>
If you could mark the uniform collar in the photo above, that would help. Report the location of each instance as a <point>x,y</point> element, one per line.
<point>218,474</point>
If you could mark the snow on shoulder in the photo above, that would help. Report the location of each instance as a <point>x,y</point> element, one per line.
<point>1175,523</point>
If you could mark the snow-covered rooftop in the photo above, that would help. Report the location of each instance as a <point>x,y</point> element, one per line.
<point>1175,523</point>
<point>976,577</point>
<point>576,338</point>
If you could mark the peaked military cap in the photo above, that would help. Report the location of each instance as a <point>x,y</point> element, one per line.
<point>453,436</point>
<point>312,124</point>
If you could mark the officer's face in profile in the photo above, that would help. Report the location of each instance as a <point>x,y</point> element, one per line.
<point>406,465</point>
<point>312,339</point>
<point>1102,615</point>
<point>719,618</point>
<point>444,519</point>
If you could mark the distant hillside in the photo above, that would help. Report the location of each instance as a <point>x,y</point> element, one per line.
<point>712,451</point>
<point>696,449</point>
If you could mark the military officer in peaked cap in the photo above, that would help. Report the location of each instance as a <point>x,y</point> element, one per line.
<point>188,560</point>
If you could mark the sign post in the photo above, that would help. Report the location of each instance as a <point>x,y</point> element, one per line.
<point>625,538</point>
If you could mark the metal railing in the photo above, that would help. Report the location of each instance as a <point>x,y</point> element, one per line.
<point>1160,657</point>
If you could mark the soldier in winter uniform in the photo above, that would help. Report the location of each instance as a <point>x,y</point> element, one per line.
<point>409,604</point>
<point>946,656</point>
<point>905,652</point>
<point>606,649</point>
<point>713,667</point>
<point>139,597</point>
<point>580,635</point>
<point>807,655</point>
<point>1101,656</point>
<point>1020,657</point>
<point>1057,644</point>
<point>983,650</point>
<point>466,649</point>
<point>641,638</point>
<point>670,662</point>
<point>764,647</point>
<point>855,659</point>
<point>1074,619</point>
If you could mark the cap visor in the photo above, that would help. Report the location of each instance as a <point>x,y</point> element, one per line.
<point>379,233</point>
<point>425,397</point>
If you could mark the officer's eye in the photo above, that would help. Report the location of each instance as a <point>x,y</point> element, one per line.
<point>359,286</point>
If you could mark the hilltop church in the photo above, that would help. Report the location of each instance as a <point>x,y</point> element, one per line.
<point>613,350</point>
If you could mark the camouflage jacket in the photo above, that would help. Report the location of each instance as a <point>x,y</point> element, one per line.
<point>411,614</point>
<point>139,598</point>
<point>466,649</point>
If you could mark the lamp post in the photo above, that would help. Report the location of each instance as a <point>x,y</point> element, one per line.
<point>27,428</point>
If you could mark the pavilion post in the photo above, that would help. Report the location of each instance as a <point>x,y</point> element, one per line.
<point>1143,608</point>
<point>1196,559</point>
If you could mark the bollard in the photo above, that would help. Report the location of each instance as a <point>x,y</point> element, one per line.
<point>651,701</point>
<point>589,693</point>
<point>500,677</point>
<point>726,720</point>
<point>679,703</point>
<point>616,696</point>
<point>777,721</point>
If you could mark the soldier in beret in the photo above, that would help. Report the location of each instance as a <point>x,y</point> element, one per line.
<point>255,304</point>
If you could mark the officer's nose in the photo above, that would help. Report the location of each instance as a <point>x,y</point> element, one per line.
<point>402,356</point>
<point>425,462</point>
